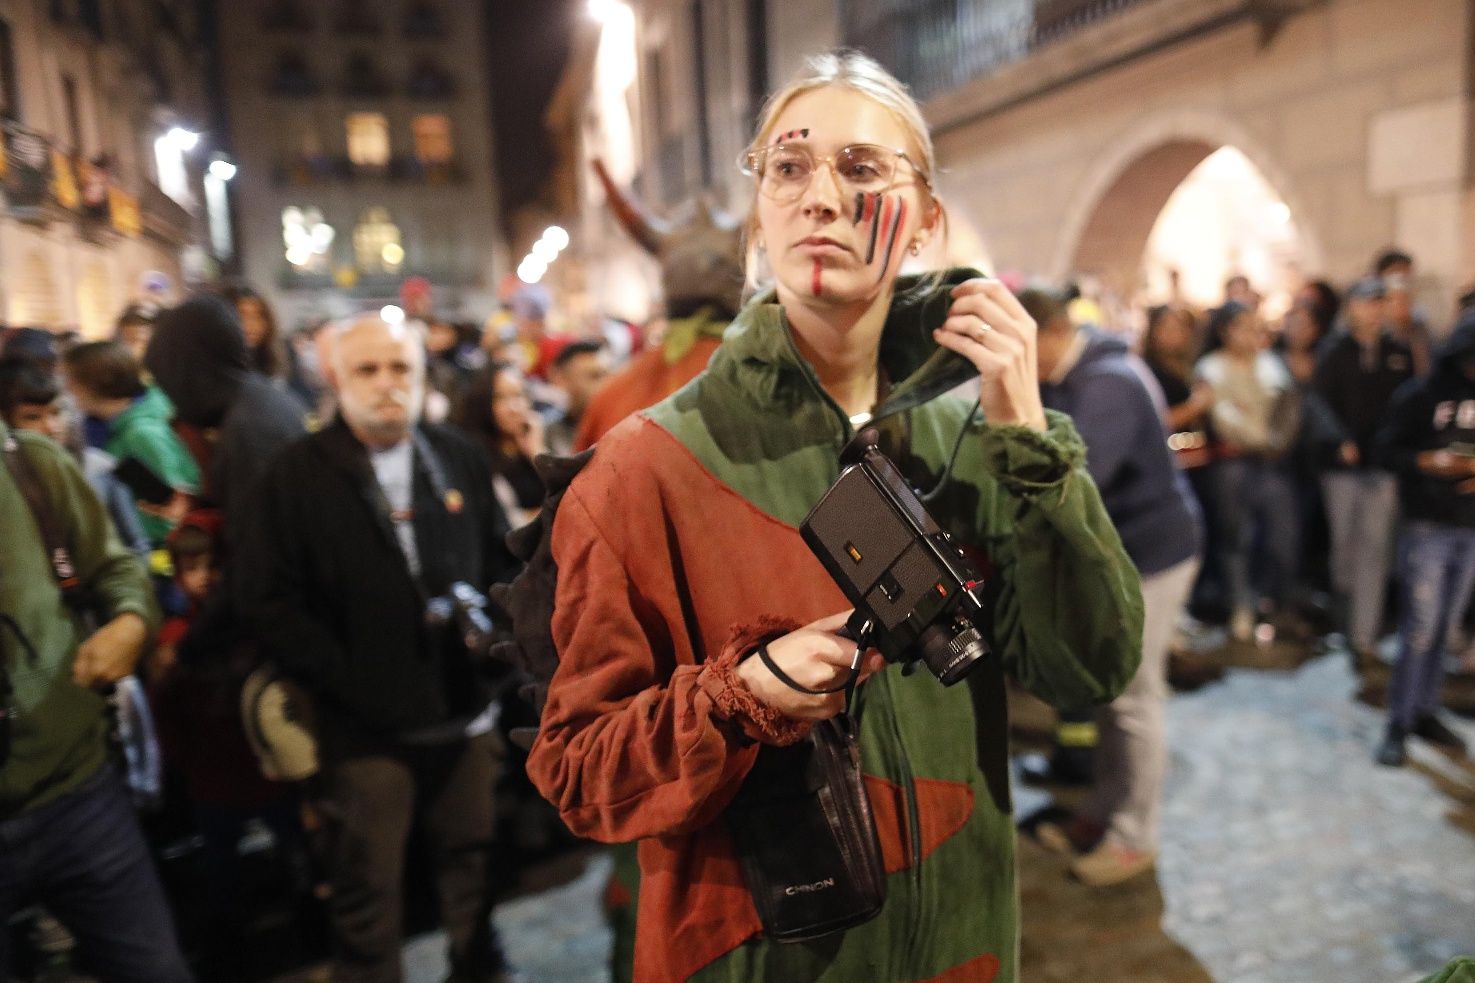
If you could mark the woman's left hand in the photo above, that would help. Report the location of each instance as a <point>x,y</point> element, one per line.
<point>990,328</point>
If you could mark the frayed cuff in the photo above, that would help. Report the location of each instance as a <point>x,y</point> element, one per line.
<point>1028,462</point>
<point>736,705</point>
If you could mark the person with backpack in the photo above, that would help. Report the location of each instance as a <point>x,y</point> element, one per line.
<point>699,639</point>
<point>69,836</point>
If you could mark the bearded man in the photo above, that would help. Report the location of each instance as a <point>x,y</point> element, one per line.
<point>356,530</point>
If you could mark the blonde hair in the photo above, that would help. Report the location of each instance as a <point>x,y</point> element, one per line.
<point>857,72</point>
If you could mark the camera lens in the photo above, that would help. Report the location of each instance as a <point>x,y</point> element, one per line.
<point>951,647</point>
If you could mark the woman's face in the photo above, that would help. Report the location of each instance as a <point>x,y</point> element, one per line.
<point>253,321</point>
<point>1174,335</point>
<point>1300,328</point>
<point>832,244</point>
<point>1243,335</point>
<point>510,406</point>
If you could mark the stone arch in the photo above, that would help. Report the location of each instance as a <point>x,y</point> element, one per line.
<point>1108,220</point>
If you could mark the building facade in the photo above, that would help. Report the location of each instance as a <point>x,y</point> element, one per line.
<point>1065,128</point>
<point>103,101</point>
<point>361,131</point>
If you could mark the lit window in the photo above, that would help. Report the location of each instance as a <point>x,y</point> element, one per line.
<point>433,139</point>
<point>376,242</point>
<point>368,139</point>
<point>306,239</point>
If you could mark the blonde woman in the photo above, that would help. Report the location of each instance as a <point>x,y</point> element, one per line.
<point>678,556</point>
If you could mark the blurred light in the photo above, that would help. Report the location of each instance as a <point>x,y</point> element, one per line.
<point>603,10</point>
<point>392,314</point>
<point>222,169</point>
<point>531,269</point>
<point>545,250</point>
<point>556,237</point>
<point>184,139</point>
<point>393,254</point>
<point>299,254</point>
<point>321,237</point>
<point>1280,212</point>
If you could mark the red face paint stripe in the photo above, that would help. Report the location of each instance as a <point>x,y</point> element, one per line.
<point>901,216</point>
<point>871,201</point>
<point>815,278</point>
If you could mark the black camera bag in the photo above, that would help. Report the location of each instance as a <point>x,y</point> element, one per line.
<point>806,837</point>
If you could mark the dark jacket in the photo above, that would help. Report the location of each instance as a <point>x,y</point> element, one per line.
<point>331,594</point>
<point>1349,394</point>
<point>1145,493</point>
<point>1436,412</point>
<point>199,358</point>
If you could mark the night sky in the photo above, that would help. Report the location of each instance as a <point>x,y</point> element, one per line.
<point>528,43</point>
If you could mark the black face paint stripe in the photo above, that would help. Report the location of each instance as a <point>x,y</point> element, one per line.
<point>876,219</point>
<point>901,214</point>
<point>860,207</point>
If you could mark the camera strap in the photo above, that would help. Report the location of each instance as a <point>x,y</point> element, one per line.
<point>862,641</point>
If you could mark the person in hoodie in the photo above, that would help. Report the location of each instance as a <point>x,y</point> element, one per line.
<point>199,357</point>
<point>679,558</point>
<point>1092,377</point>
<point>105,381</point>
<point>1428,440</point>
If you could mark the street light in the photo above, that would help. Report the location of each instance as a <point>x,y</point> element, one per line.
<point>185,140</point>
<point>222,169</point>
<point>603,10</point>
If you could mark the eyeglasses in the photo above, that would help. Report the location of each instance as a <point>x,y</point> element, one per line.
<point>785,170</point>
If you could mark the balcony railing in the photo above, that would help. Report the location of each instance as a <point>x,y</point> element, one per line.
<point>935,45</point>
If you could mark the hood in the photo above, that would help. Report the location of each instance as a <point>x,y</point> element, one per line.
<point>198,357</point>
<point>152,405</point>
<point>1101,345</point>
<point>919,368</point>
<point>1458,347</point>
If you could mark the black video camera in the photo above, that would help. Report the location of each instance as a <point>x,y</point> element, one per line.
<point>912,587</point>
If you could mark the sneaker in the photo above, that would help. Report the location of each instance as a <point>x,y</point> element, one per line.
<point>1436,731</point>
<point>1111,864</point>
<point>1391,753</point>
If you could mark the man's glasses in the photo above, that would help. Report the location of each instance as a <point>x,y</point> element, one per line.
<point>785,170</point>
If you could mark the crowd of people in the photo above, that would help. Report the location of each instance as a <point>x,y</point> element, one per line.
<point>203,506</point>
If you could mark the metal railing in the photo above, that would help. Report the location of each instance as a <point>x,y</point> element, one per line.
<point>936,45</point>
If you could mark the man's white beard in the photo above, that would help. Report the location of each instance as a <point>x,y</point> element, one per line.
<point>362,418</point>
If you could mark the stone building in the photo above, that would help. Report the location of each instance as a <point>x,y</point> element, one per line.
<point>362,131</point>
<point>1064,128</point>
<point>101,103</point>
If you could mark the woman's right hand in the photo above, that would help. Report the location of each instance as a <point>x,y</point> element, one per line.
<point>813,656</point>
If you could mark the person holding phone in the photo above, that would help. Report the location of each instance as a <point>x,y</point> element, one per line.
<point>105,380</point>
<point>497,413</point>
<point>678,554</point>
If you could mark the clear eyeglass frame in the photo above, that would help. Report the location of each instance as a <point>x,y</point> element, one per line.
<point>754,164</point>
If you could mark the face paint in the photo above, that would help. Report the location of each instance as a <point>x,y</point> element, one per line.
<point>792,135</point>
<point>815,279</point>
<point>896,224</point>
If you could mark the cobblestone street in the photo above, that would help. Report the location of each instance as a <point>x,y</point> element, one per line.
<point>1288,857</point>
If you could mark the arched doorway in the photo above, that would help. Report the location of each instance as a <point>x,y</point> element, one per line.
<point>1192,193</point>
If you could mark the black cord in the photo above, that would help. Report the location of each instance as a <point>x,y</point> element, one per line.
<point>947,470</point>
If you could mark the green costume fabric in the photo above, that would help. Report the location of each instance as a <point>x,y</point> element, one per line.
<point>57,736</point>
<point>142,431</point>
<point>1065,621</point>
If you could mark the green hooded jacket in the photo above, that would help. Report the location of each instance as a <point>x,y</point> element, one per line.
<point>58,731</point>
<point>143,431</point>
<point>678,550</point>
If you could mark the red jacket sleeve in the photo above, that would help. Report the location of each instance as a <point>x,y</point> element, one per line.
<point>637,739</point>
